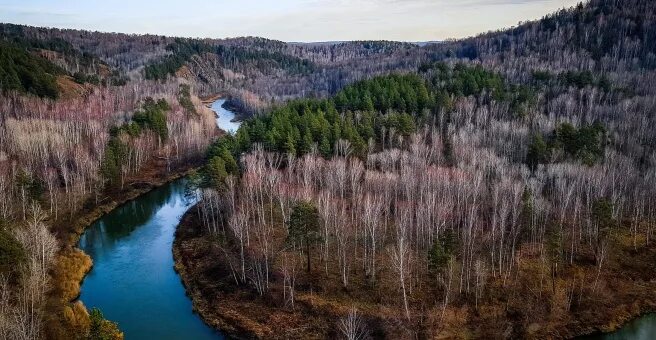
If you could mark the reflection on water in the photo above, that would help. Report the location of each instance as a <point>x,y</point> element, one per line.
<point>132,280</point>
<point>643,328</point>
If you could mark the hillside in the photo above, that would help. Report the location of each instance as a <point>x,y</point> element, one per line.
<point>252,70</point>
<point>457,182</point>
<point>508,193</point>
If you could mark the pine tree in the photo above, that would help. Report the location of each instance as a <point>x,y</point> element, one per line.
<point>538,152</point>
<point>304,223</point>
<point>290,145</point>
<point>216,172</point>
<point>325,148</point>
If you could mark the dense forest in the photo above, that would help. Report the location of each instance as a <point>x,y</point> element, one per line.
<point>507,193</point>
<point>496,186</point>
<point>73,136</point>
<point>428,191</point>
<point>25,73</point>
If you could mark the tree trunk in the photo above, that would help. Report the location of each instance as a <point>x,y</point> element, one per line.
<point>308,255</point>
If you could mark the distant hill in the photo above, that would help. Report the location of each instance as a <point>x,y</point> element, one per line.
<point>602,35</point>
<point>599,35</point>
<point>518,165</point>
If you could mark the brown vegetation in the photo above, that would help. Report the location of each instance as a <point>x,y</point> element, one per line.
<point>522,299</point>
<point>52,159</point>
<point>69,89</point>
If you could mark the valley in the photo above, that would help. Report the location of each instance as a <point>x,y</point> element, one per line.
<point>495,186</point>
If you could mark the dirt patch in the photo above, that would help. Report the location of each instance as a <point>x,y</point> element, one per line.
<point>184,72</point>
<point>69,89</point>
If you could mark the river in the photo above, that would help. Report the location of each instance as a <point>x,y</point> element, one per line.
<point>224,117</point>
<point>132,280</point>
<point>642,328</point>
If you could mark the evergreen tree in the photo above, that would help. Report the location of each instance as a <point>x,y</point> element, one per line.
<point>304,224</point>
<point>12,254</point>
<point>113,160</point>
<point>231,166</point>
<point>216,172</point>
<point>538,152</point>
<point>324,147</point>
<point>102,329</point>
<point>290,145</point>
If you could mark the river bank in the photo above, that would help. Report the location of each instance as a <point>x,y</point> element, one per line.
<point>66,316</point>
<point>208,100</point>
<point>625,293</point>
<point>239,313</point>
<point>238,114</point>
<point>137,238</point>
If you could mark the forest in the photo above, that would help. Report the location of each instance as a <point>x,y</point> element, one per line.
<point>232,56</point>
<point>25,73</point>
<point>500,185</point>
<point>426,191</point>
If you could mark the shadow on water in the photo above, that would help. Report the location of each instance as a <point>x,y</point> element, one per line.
<point>133,281</point>
<point>123,220</point>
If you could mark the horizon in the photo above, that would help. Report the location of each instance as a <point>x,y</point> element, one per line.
<point>381,169</point>
<point>292,21</point>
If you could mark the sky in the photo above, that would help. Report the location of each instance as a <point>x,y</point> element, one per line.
<point>286,20</point>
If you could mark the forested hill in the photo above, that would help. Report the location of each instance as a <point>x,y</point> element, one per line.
<point>600,35</point>
<point>507,190</point>
<point>25,73</point>
<point>523,162</point>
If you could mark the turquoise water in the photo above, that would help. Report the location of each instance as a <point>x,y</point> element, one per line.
<point>643,328</point>
<point>132,280</point>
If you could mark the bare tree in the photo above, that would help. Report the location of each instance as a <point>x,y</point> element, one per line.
<point>352,326</point>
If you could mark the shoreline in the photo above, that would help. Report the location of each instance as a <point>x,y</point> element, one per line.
<point>65,315</point>
<point>240,116</point>
<point>235,316</point>
<point>73,264</point>
<point>211,98</point>
<point>620,322</point>
<point>200,305</point>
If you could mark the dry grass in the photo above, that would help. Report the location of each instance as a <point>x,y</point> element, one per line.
<point>70,268</point>
<point>69,89</point>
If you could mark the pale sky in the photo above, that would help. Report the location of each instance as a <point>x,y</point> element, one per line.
<point>287,20</point>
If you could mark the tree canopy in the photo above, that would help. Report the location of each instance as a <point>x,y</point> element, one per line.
<point>23,72</point>
<point>304,224</point>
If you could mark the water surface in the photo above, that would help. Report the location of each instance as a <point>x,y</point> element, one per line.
<point>224,117</point>
<point>642,328</point>
<point>132,280</point>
